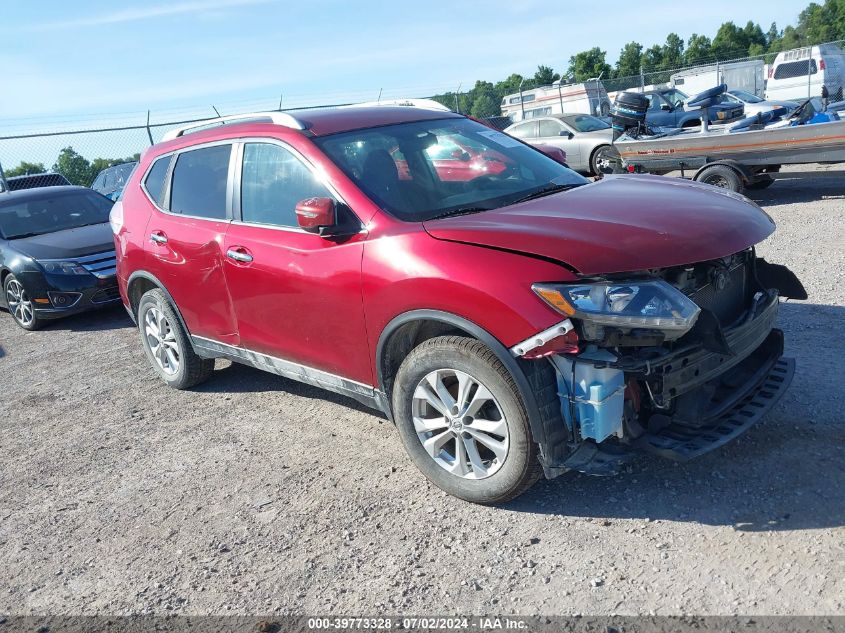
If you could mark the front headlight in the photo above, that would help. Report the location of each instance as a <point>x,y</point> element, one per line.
<point>653,305</point>
<point>57,267</point>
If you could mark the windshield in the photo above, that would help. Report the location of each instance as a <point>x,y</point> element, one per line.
<point>675,97</point>
<point>427,169</point>
<point>747,97</point>
<point>50,213</point>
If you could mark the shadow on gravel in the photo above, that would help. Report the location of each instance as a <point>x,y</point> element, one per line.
<point>113,318</point>
<point>758,492</point>
<point>794,190</point>
<point>238,378</point>
<point>786,473</point>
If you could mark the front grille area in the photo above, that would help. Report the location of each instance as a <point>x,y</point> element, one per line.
<point>106,295</point>
<point>102,265</point>
<point>726,295</point>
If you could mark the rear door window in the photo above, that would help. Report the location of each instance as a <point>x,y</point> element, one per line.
<point>198,184</point>
<point>524,130</point>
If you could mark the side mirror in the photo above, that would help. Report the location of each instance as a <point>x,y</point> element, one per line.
<point>555,153</point>
<point>666,107</point>
<point>567,134</point>
<point>316,214</point>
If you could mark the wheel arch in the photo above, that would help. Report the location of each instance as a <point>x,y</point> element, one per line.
<point>141,282</point>
<point>4,272</point>
<point>407,330</point>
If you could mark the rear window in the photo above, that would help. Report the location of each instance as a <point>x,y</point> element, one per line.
<point>198,184</point>
<point>154,182</point>
<point>34,181</point>
<point>787,70</point>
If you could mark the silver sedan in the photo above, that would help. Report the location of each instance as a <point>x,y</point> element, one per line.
<point>754,104</point>
<point>585,138</point>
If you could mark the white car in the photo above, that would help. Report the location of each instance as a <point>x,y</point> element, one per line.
<point>585,139</point>
<point>754,104</point>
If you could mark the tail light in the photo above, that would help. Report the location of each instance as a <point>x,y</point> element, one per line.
<point>821,64</point>
<point>771,71</point>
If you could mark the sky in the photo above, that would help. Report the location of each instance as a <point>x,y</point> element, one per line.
<point>99,63</point>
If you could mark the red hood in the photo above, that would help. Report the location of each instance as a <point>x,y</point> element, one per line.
<point>622,223</point>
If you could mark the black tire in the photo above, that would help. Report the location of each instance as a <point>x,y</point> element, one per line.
<point>519,470</point>
<point>191,369</point>
<point>603,152</point>
<point>721,176</point>
<point>12,285</point>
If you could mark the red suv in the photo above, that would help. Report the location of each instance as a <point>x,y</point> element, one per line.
<point>519,322</point>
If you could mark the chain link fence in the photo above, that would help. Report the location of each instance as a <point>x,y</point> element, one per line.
<point>790,75</point>
<point>80,151</point>
<point>81,154</point>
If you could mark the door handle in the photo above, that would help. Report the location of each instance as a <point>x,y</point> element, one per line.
<point>239,255</point>
<point>158,237</point>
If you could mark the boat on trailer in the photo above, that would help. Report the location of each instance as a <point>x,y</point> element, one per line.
<point>740,155</point>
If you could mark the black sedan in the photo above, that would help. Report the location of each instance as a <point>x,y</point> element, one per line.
<point>56,253</point>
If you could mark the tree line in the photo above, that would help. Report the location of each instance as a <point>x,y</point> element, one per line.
<point>816,24</point>
<point>73,166</point>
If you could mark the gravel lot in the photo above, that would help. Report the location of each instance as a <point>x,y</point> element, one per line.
<point>257,495</point>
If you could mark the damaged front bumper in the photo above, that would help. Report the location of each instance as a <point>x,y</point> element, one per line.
<point>679,404</point>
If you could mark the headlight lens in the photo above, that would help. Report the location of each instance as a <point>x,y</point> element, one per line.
<point>63,268</point>
<point>652,305</point>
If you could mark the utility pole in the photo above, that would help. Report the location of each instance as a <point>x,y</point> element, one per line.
<point>457,103</point>
<point>521,102</point>
<point>149,133</point>
<point>3,183</point>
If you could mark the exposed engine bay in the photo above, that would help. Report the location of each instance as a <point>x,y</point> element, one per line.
<point>709,369</point>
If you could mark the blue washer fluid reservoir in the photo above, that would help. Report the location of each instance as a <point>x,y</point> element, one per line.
<point>596,396</point>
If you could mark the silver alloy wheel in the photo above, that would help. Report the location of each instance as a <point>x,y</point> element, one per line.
<point>460,424</point>
<point>162,341</point>
<point>604,160</point>
<point>19,304</point>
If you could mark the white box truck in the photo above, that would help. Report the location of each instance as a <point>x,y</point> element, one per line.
<point>745,75</point>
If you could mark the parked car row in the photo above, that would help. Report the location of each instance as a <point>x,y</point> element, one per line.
<point>512,318</point>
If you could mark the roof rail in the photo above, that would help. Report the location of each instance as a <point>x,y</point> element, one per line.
<point>425,104</point>
<point>277,118</point>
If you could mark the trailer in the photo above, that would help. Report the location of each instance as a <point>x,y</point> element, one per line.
<point>589,97</point>
<point>743,156</point>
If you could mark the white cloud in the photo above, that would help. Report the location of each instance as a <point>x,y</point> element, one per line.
<point>145,13</point>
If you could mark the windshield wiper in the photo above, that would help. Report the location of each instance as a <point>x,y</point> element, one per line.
<point>545,191</point>
<point>23,236</point>
<point>460,211</point>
